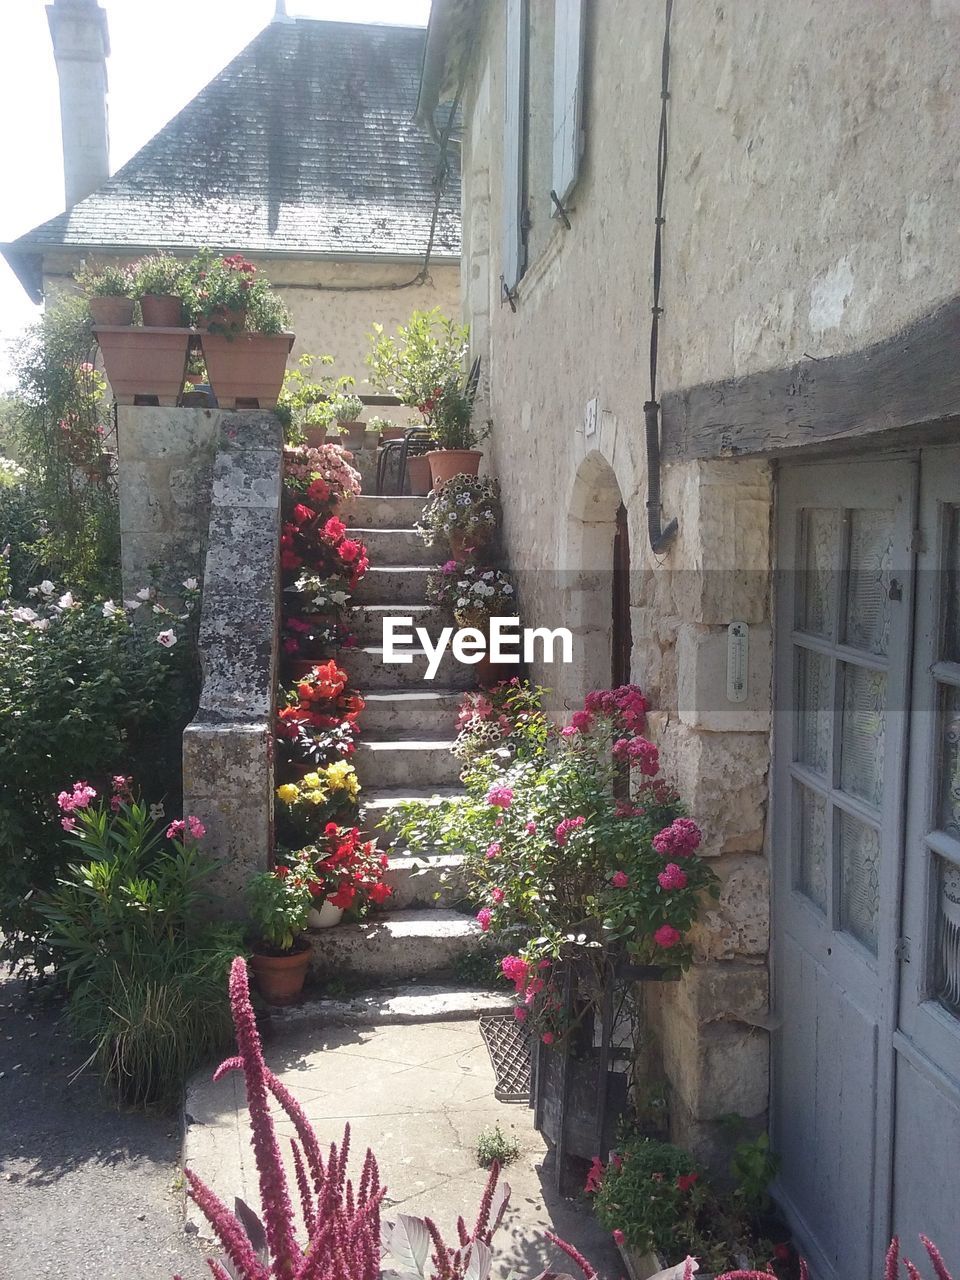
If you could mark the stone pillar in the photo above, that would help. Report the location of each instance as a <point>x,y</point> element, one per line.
<point>228,765</point>
<point>81,45</point>
<point>165,464</point>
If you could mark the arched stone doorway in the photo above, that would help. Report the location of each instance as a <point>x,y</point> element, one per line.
<point>597,572</point>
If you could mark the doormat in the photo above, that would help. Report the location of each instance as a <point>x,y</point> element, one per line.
<point>508,1043</point>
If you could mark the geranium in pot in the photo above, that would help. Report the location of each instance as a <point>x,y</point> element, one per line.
<point>279,903</point>
<point>348,875</point>
<point>464,513</point>
<point>109,293</point>
<point>243,322</point>
<point>159,281</point>
<point>449,411</point>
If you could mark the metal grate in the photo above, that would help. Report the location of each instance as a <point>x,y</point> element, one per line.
<point>508,1043</point>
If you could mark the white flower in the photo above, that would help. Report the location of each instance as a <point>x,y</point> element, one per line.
<point>340,597</point>
<point>66,601</point>
<point>46,587</point>
<point>110,610</point>
<point>33,591</point>
<point>158,608</point>
<point>462,602</point>
<point>144,593</point>
<point>488,575</point>
<point>41,624</point>
<point>190,584</point>
<point>24,615</point>
<point>167,639</point>
<point>131,604</point>
<point>507,589</point>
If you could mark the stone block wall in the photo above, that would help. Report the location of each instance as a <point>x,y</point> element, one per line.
<point>228,771</point>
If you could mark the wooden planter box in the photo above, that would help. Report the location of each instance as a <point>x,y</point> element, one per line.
<point>144,364</point>
<point>246,369</point>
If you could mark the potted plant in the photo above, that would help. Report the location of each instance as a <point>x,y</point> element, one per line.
<point>474,594</point>
<point>464,513</point>
<point>280,902</point>
<point>158,283</point>
<point>449,411</point>
<point>242,321</point>
<point>109,293</point>
<point>387,430</point>
<point>346,411</point>
<point>347,875</point>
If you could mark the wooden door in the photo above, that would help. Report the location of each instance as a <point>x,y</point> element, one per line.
<point>621,629</point>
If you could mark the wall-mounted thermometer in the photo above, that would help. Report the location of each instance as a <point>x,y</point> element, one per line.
<point>738,656</point>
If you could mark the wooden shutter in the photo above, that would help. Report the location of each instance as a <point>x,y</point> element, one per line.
<point>512,263</point>
<point>569,23</point>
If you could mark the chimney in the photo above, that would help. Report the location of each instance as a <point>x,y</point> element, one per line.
<point>81,44</point>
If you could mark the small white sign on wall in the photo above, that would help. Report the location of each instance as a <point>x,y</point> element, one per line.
<point>590,417</point>
<point>738,660</point>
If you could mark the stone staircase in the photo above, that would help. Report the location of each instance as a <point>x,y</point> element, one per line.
<point>407,730</point>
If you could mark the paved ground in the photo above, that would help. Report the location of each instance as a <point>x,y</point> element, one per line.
<point>85,1191</point>
<point>419,1096</point>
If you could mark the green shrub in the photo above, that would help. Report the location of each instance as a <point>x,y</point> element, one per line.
<point>493,1144</point>
<point>86,692</point>
<point>145,971</point>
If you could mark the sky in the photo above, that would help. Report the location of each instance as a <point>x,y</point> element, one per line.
<point>162,52</point>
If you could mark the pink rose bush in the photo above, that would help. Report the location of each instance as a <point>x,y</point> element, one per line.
<point>556,853</point>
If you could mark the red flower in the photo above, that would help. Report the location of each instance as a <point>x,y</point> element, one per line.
<point>303,514</point>
<point>343,898</point>
<point>686,1180</point>
<point>619,879</point>
<point>289,560</point>
<point>334,529</point>
<point>666,936</point>
<point>380,892</point>
<point>319,491</point>
<point>349,550</point>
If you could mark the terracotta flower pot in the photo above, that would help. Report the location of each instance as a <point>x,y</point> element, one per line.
<point>144,363</point>
<point>393,433</point>
<point>447,463</point>
<point>326,916</point>
<point>281,978</point>
<point>161,310</point>
<point>315,435</point>
<point>352,434</point>
<point>111,311</point>
<point>224,318</point>
<point>246,370</point>
<point>418,475</point>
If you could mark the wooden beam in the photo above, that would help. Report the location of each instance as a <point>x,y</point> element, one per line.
<point>909,380</point>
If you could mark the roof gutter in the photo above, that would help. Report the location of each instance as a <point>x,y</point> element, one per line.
<point>446,23</point>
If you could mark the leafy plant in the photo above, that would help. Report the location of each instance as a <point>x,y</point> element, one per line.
<point>160,274</point>
<point>345,870</point>
<point>754,1167</point>
<point>494,1147</point>
<point>467,507</point>
<point>83,690</point>
<point>347,408</point>
<point>144,968</point>
<point>345,1237</point>
<point>379,425</point>
<point>101,280</point>
<point>280,901</point>
<point>473,593</point>
<point>422,358</point>
<point>228,295</point>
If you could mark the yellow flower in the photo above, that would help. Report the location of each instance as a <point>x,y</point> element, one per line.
<point>311,780</point>
<point>317,796</point>
<point>288,793</point>
<point>341,776</point>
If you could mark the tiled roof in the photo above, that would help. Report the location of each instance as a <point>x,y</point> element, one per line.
<point>305,144</point>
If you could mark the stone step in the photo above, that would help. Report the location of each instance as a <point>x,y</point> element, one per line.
<point>410,713</point>
<point>395,546</point>
<point>375,511</point>
<point>379,805</point>
<point>396,946</point>
<point>413,1002</point>
<point>394,584</point>
<point>369,671</point>
<point>366,620</point>
<point>421,763</point>
<point>436,881</point>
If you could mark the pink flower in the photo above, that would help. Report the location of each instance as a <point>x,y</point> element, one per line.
<point>176,829</point>
<point>566,827</point>
<point>520,1013</point>
<point>514,968</point>
<point>78,798</point>
<point>449,567</point>
<point>484,916</point>
<point>594,1176</point>
<point>618,1236</point>
<point>666,936</point>
<point>672,877</point>
<point>499,796</point>
<point>493,848</point>
<point>680,839</point>
<point>497,895</point>
<point>619,879</point>
<point>581,721</point>
<point>568,731</point>
<point>68,824</point>
<point>640,752</point>
<point>548,1037</point>
<point>196,827</point>
<point>534,987</point>
<point>531,828</point>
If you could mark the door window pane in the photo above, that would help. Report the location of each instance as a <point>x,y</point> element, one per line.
<point>949,816</point>
<point>859,880</point>
<point>951,638</point>
<point>811,845</point>
<point>820,534</point>
<point>947,936</point>
<point>861,741</point>
<point>814,709</point>
<point>867,603</point>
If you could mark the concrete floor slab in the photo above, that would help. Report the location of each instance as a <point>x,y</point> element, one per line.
<point>419,1096</point>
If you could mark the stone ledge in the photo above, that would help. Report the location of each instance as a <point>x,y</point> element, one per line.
<point>410,1003</point>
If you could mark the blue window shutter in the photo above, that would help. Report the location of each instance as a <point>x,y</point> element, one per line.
<point>569,23</point>
<point>513,141</point>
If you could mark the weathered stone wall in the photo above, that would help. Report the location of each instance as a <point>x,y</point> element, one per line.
<point>228,748</point>
<point>328,322</point>
<point>786,236</point>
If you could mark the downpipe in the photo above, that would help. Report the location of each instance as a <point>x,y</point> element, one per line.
<point>660,538</point>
